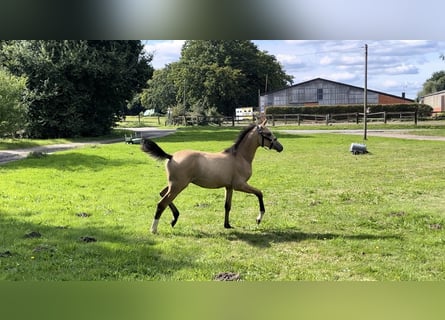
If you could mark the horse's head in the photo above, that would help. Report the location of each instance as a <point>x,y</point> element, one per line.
<point>267,138</point>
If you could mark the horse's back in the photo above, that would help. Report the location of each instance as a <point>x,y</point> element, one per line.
<point>188,157</point>
<point>210,170</point>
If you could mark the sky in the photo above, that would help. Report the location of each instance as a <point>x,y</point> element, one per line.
<point>394,66</point>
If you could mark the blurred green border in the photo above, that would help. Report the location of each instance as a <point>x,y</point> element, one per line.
<point>221,300</point>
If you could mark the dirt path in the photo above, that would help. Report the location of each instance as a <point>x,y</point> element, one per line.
<point>17,154</point>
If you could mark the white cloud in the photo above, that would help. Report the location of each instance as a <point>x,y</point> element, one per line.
<point>164,52</point>
<point>352,60</point>
<point>341,76</point>
<point>418,43</point>
<point>326,60</point>
<point>290,59</point>
<point>402,69</point>
<point>391,84</point>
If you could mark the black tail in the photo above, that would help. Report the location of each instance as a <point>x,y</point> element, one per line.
<point>154,150</point>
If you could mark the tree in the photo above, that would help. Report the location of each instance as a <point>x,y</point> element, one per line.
<point>77,88</point>
<point>435,83</point>
<point>12,108</point>
<point>216,76</point>
<point>161,90</point>
<point>227,73</point>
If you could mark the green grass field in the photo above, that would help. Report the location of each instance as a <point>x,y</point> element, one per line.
<point>329,215</point>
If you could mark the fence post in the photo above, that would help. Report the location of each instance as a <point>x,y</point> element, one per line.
<point>327,119</point>
<point>233,121</point>
<point>415,117</point>
<point>356,118</point>
<point>273,120</point>
<point>298,119</point>
<point>384,117</point>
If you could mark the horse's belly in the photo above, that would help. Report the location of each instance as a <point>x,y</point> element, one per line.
<point>212,178</point>
<point>214,173</point>
<point>210,183</point>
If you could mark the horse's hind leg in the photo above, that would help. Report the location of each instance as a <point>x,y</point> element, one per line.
<point>227,207</point>
<point>167,199</point>
<point>172,207</point>
<point>159,209</point>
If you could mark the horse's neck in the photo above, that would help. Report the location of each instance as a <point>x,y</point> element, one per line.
<point>248,147</point>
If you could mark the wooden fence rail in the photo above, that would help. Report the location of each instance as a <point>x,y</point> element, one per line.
<point>327,119</point>
<point>343,117</point>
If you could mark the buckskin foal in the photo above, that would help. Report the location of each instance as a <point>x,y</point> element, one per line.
<point>230,169</point>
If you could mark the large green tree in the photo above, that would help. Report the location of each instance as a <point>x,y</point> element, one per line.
<point>161,92</point>
<point>218,75</point>
<point>77,88</point>
<point>435,83</point>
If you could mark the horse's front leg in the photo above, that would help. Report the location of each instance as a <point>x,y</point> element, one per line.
<point>249,189</point>
<point>227,207</point>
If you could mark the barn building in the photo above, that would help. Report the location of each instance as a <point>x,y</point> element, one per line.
<point>435,100</point>
<point>322,92</point>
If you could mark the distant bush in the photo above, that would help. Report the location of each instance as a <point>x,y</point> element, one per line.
<point>12,109</point>
<point>422,109</point>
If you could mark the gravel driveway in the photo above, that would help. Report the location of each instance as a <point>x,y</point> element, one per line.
<point>395,133</point>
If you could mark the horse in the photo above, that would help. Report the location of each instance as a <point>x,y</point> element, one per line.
<point>229,169</point>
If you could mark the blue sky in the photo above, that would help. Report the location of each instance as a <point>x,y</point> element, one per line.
<point>394,66</point>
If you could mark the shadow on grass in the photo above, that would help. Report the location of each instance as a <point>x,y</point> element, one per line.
<point>37,251</point>
<point>72,161</point>
<point>265,238</point>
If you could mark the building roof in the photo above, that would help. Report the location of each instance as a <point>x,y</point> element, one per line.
<point>335,82</point>
<point>433,93</point>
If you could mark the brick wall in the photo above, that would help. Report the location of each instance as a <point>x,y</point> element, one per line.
<point>384,99</point>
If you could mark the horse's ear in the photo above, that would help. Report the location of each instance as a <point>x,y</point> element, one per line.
<point>262,120</point>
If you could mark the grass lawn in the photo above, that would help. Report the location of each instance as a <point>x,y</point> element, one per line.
<point>137,122</point>
<point>329,215</point>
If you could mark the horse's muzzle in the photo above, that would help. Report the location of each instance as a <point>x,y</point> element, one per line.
<point>276,146</point>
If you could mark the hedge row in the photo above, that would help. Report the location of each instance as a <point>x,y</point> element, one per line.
<point>423,110</point>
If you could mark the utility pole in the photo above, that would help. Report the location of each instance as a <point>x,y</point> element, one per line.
<point>265,86</point>
<point>259,102</point>
<point>365,97</point>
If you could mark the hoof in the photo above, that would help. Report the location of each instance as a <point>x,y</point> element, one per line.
<point>227,226</point>
<point>260,217</point>
<point>173,222</point>
<point>154,226</point>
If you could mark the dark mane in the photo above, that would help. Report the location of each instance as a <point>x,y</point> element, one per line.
<point>234,148</point>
